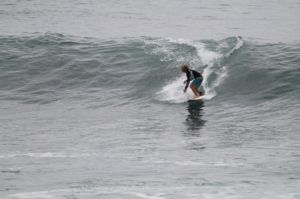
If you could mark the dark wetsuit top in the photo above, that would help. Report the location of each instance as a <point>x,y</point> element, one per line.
<point>192,74</point>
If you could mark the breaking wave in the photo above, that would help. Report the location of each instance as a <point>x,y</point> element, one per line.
<point>52,67</point>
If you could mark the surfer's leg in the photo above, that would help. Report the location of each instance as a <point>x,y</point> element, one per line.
<point>195,90</point>
<point>195,85</point>
<point>201,90</point>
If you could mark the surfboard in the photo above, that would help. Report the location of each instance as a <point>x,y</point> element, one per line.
<point>196,99</point>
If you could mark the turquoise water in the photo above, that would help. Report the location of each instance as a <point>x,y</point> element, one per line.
<point>92,102</point>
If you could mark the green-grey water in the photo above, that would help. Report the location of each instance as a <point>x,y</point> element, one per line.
<point>92,102</point>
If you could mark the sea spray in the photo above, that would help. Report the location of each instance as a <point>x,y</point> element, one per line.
<point>206,60</point>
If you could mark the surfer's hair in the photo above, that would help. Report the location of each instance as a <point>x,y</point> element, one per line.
<point>184,67</point>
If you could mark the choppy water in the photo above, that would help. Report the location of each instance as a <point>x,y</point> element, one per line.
<point>104,116</point>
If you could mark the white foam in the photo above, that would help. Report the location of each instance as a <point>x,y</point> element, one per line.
<point>63,193</point>
<point>58,155</point>
<point>199,163</point>
<point>142,195</point>
<point>221,76</point>
<point>238,45</point>
<point>222,73</point>
<point>173,91</point>
<point>33,195</point>
<point>8,155</point>
<point>47,155</point>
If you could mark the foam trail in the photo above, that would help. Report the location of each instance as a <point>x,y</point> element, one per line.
<point>238,45</point>
<point>221,76</point>
<point>208,58</point>
<point>221,73</point>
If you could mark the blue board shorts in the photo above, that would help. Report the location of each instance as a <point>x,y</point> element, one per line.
<point>197,82</point>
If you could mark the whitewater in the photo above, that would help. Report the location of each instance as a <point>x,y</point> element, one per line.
<point>92,102</point>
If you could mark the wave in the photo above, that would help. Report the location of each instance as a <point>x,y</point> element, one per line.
<point>51,67</point>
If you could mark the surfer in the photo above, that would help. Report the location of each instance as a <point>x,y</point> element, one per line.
<point>193,76</point>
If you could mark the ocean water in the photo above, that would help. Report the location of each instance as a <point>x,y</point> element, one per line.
<point>92,102</point>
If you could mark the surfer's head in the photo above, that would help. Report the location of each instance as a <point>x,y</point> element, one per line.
<point>184,68</point>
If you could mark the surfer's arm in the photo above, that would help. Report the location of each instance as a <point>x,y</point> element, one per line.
<point>187,81</point>
<point>186,86</point>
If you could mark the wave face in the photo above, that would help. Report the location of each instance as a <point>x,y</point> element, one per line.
<point>52,67</point>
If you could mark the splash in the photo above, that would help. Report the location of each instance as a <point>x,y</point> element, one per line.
<point>206,60</point>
